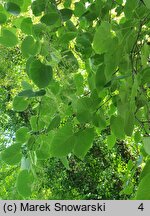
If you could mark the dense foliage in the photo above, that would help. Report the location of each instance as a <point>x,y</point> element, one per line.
<point>75,108</point>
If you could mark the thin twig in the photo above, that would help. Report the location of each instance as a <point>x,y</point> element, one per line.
<point>104,103</point>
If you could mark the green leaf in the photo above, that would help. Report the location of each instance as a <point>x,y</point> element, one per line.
<point>137,136</point>
<point>3,18</point>
<point>63,142</point>
<point>145,76</point>
<point>20,104</point>
<point>28,64</point>
<point>69,61</point>
<point>13,8</point>
<point>36,124</point>
<point>40,74</point>
<point>78,79</point>
<point>25,5</point>
<point>67,3</point>
<point>111,140</point>
<point>146,141</point>
<point>102,38</point>
<point>130,7</point>
<point>8,38</point>
<point>70,26</point>
<point>83,142</point>
<point>20,3</point>
<point>25,163</point>
<point>65,162</point>
<point>24,183</point>
<point>147,2</point>
<point>26,26</point>
<point>38,30</point>
<point>129,123</point>
<point>29,47</point>
<point>128,189</point>
<point>30,93</point>
<point>67,37</point>
<point>117,126</point>
<point>83,45</point>
<point>54,87</point>
<point>146,170</point>
<point>26,86</point>
<point>84,114</point>
<point>112,57</point>
<point>44,141</point>
<point>100,79</point>
<point>17,22</point>
<point>143,192</point>
<point>22,135</point>
<point>130,165</point>
<point>50,18</point>
<point>12,154</point>
<point>55,122</point>
<point>66,14</point>
<point>79,9</point>
<point>37,7</point>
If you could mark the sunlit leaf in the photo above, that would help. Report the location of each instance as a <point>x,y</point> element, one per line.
<point>102,38</point>
<point>8,38</point>
<point>20,104</point>
<point>146,141</point>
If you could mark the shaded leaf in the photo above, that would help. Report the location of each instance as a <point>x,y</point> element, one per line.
<point>54,123</point>
<point>117,126</point>
<point>50,18</point>
<point>40,74</point>
<point>13,8</point>
<point>129,123</point>
<point>83,142</point>
<point>66,14</point>
<point>12,154</point>
<point>63,142</point>
<point>24,183</point>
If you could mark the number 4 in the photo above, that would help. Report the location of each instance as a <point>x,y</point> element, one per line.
<point>141,207</point>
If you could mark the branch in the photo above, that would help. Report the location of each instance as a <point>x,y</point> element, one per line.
<point>104,103</point>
